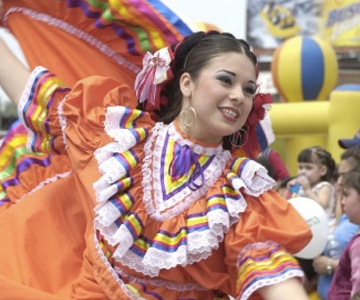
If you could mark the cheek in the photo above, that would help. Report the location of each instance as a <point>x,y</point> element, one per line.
<point>248,106</point>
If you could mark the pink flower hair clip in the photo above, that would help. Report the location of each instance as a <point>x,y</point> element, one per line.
<point>156,70</point>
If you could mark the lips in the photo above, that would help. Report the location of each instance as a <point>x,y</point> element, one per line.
<point>229,113</point>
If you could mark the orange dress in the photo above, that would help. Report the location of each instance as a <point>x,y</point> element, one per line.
<point>79,38</point>
<point>140,210</point>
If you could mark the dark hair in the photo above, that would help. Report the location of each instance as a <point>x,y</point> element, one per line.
<point>319,155</point>
<point>283,183</point>
<point>352,154</point>
<point>351,179</point>
<point>192,55</point>
<point>262,160</point>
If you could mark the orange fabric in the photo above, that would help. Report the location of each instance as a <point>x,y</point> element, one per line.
<point>41,234</point>
<point>49,250</point>
<point>67,55</point>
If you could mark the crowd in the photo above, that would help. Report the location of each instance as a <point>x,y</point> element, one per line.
<point>335,273</point>
<point>159,181</point>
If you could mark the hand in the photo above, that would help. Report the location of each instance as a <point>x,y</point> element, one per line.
<point>304,182</point>
<point>320,263</point>
<point>291,183</point>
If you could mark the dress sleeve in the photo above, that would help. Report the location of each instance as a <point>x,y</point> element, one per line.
<point>60,120</point>
<point>259,246</point>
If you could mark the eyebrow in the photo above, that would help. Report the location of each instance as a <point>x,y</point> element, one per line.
<point>234,75</point>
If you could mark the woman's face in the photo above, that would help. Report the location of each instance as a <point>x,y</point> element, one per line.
<point>221,96</point>
<point>345,166</point>
<point>351,201</point>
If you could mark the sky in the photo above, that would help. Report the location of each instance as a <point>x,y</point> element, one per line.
<point>229,15</point>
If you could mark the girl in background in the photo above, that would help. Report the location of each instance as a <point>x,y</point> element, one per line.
<point>316,169</point>
<point>346,280</point>
<point>326,264</point>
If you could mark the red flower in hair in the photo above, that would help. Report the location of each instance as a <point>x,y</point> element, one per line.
<point>258,111</point>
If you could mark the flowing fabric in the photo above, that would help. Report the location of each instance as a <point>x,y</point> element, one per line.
<point>123,222</point>
<point>77,38</point>
<point>98,207</point>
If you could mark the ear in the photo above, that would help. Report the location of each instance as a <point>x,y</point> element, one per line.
<point>186,85</point>
<point>323,170</point>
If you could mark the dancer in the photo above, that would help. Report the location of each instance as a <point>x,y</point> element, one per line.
<point>154,205</point>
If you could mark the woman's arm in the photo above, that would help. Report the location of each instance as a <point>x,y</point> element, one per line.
<point>324,264</point>
<point>285,290</point>
<point>13,74</point>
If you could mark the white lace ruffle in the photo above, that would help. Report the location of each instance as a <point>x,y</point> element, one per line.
<point>153,195</point>
<point>253,180</point>
<point>124,137</point>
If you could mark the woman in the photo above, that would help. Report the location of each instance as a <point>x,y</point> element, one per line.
<point>145,209</point>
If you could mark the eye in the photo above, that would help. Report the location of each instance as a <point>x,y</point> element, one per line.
<point>225,79</point>
<point>250,89</point>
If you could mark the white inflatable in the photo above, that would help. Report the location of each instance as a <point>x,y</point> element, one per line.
<point>318,222</point>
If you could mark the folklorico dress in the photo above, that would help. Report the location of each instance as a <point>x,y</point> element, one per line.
<point>138,210</point>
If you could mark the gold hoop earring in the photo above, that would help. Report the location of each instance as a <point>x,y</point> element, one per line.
<point>238,138</point>
<point>184,118</point>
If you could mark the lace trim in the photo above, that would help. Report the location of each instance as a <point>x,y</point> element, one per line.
<point>197,245</point>
<point>252,178</point>
<point>153,195</point>
<point>62,121</point>
<point>269,281</point>
<point>72,30</point>
<point>124,137</point>
<point>111,270</point>
<point>179,287</point>
<point>291,273</point>
<point>45,182</point>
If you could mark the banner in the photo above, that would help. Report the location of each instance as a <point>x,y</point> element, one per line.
<point>269,23</point>
<point>341,23</point>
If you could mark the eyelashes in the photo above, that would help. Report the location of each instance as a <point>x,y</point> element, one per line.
<point>249,89</point>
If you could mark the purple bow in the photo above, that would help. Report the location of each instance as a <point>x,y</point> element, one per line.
<point>181,165</point>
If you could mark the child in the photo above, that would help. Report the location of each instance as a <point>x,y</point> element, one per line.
<point>315,172</point>
<point>346,281</point>
<point>316,168</point>
<point>326,264</point>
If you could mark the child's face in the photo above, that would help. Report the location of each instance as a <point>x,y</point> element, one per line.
<point>312,171</point>
<point>351,201</point>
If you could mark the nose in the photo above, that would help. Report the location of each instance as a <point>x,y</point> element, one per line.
<point>301,171</point>
<point>236,94</point>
